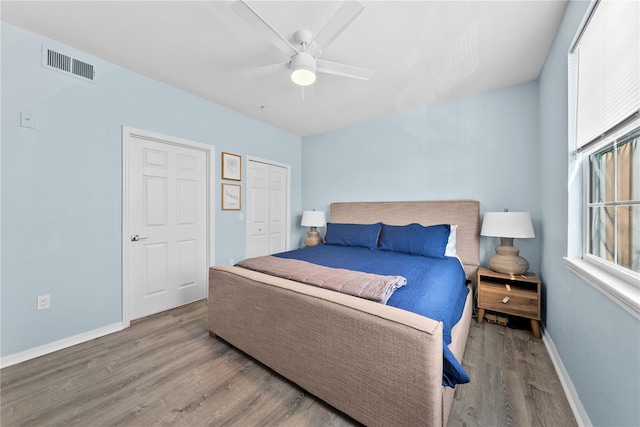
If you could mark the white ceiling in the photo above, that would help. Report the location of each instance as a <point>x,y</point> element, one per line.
<point>423,52</point>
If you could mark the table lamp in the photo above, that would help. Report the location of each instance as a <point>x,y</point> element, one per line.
<point>507,225</point>
<point>314,220</point>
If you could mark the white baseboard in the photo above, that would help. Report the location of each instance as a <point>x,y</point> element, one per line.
<point>572,395</point>
<point>32,353</point>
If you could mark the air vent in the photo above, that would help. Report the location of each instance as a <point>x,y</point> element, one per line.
<point>83,69</point>
<point>58,60</point>
<point>66,64</point>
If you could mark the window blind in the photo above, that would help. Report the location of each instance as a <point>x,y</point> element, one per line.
<point>608,70</point>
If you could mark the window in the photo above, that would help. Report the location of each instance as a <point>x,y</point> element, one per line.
<point>606,66</point>
<point>604,131</point>
<point>613,205</point>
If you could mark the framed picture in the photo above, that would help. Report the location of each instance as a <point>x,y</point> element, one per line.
<point>231,166</point>
<point>231,197</point>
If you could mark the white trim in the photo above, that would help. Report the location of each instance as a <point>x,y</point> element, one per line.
<point>32,353</point>
<point>622,292</point>
<point>125,228</point>
<point>569,390</point>
<point>287,241</point>
<point>128,132</point>
<point>583,25</point>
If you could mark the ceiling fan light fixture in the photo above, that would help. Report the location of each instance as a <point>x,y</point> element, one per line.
<point>303,69</point>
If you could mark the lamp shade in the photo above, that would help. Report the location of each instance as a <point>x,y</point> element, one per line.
<point>313,219</point>
<point>507,224</point>
<point>303,69</point>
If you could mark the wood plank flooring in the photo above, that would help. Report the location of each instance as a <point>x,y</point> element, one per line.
<point>513,381</point>
<point>166,370</point>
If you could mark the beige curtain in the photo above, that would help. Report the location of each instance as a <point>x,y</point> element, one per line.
<point>625,184</point>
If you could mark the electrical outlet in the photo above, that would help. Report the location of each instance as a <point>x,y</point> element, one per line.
<point>232,261</point>
<point>43,302</point>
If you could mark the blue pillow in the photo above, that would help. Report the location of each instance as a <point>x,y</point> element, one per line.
<point>415,239</point>
<point>361,235</point>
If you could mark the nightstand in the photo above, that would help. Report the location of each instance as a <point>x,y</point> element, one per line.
<point>510,294</point>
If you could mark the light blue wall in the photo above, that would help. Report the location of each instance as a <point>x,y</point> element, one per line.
<point>598,342</point>
<point>482,147</point>
<point>61,184</point>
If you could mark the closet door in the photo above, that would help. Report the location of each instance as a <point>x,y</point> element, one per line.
<point>267,215</point>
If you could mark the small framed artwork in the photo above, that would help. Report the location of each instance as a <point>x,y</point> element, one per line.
<point>231,166</point>
<point>231,197</point>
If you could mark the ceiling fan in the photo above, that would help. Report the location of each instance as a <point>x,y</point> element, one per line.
<point>304,62</point>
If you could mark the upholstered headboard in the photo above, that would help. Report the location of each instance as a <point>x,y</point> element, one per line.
<point>463,213</point>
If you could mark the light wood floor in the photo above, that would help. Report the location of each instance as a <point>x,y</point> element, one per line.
<point>167,370</point>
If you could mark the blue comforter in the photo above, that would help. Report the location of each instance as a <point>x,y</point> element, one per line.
<point>435,287</point>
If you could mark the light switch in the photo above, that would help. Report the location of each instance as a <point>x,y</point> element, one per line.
<point>26,120</point>
<point>240,216</point>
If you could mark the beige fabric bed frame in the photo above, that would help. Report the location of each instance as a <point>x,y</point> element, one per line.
<point>378,364</point>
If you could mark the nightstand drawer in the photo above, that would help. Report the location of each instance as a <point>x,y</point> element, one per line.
<point>519,303</point>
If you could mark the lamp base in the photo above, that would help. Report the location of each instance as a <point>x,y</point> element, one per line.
<point>506,260</point>
<point>313,238</point>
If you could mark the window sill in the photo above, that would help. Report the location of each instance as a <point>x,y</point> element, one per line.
<point>621,291</point>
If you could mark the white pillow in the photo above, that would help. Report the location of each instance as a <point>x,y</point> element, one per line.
<point>450,250</point>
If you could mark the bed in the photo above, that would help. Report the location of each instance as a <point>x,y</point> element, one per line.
<point>379,364</point>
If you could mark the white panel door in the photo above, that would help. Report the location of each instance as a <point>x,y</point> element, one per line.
<point>277,208</point>
<point>257,209</point>
<point>267,194</point>
<point>167,202</point>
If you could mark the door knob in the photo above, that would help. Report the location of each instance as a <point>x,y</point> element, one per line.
<point>137,237</point>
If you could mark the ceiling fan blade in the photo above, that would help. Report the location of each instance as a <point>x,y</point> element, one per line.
<point>349,11</point>
<point>261,26</point>
<point>343,70</point>
<point>267,69</point>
